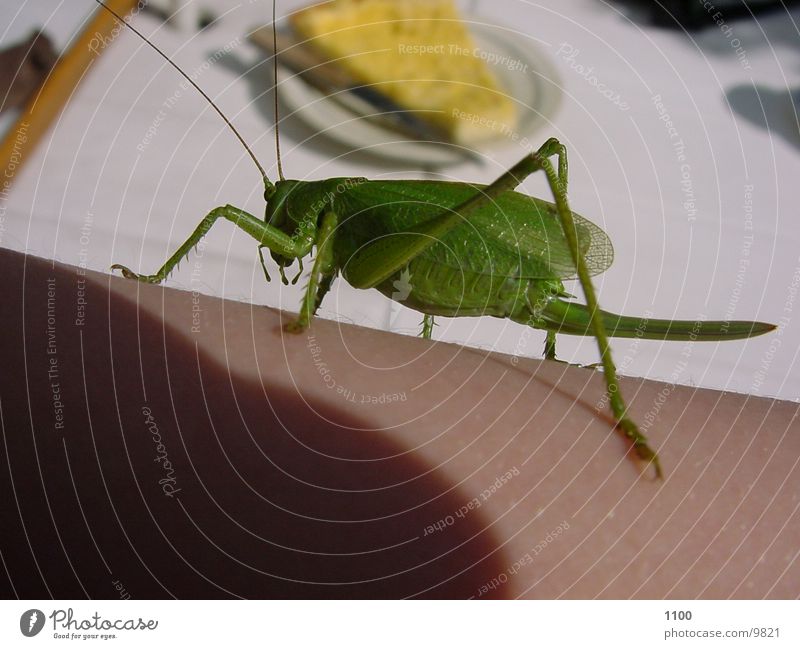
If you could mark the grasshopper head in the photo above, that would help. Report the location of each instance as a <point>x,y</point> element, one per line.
<point>278,214</point>
<point>295,208</point>
<point>278,203</point>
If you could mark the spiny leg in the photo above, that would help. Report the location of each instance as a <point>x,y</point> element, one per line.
<point>557,186</point>
<point>550,346</point>
<point>381,259</point>
<point>427,326</point>
<point>322,291</point>
<point>264,233</point>
<point>323,267</point>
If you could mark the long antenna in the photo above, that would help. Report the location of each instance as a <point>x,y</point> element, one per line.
<point>120,19</point>
<point>275,77</point>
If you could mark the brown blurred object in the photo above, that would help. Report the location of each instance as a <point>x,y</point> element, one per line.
<point>43,106</point>
<point>23,68</point>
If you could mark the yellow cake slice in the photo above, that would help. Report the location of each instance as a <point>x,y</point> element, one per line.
<point>420,54</point>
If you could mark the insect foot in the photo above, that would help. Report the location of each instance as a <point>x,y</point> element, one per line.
<point>295,327</point>
<point>127,273</point>
<point>641,445</point>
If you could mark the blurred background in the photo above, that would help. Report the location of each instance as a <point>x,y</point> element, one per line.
<point>682,131</point>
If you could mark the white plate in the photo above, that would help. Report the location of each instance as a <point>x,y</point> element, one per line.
<point>528,77</point>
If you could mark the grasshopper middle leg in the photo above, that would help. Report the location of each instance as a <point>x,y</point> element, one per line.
<point>427,326</point>
<point>550,346</point>
<point>321,274</point>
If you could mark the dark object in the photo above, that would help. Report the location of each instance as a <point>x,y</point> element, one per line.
<point>692,14</point>
<point>23,68</point>
<point>337,84</point>
<point>206,19</point>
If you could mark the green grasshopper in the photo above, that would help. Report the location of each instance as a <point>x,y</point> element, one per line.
<point>457,249</point>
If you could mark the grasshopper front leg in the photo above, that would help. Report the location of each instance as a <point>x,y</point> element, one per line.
<point>267,236</point>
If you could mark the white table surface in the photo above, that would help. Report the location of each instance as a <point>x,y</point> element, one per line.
<point>86,194</point>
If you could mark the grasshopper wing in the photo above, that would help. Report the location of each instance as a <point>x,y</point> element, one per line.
<point>515,235</point>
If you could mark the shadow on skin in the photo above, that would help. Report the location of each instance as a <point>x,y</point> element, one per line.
<point>251,494</point>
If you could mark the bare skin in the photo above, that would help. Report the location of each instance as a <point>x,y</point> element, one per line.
<point>522,452</point>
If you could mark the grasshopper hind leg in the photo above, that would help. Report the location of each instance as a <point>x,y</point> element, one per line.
<point>557,180</point>
<point>558,186</point>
